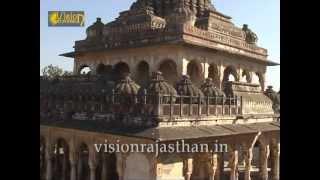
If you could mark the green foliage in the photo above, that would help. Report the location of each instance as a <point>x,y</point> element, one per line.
<point>54,71</point>
<point>67,73</point>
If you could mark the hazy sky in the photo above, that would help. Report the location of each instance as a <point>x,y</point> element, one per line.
<point>262,16</point>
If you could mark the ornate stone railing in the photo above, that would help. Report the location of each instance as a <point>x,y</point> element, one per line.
<point>165,106</point>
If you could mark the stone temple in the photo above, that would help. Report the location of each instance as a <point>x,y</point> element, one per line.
<point>163,71</point>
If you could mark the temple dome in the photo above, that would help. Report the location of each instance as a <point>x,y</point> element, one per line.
<point>209,89</point>
<point>158,85</point>
<point>126,86</point>
<point>186,88</point>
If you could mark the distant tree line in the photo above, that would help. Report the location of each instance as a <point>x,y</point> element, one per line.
<point>52,71</point>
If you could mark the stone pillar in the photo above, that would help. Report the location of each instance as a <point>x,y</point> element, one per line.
<point>73,165</point>
<point>79,167</point>
<point>205,69</point>
<point>57,162</point>
<point>64,165</point>
<point>93,167</point>
<point>120,166</point>
<point>104,167</point>
<point>73,171</point>
<point>75,67</point>
<point>264,155</point>
<point>183,67</point>
<point>220,171</point>
<point>188,168</point>
<point>233,163</point>
<point>158,170</point>
<point>275,161</point>
<point>248,155</point>
<point>213,167</point>
<point>93,163</point>
<point>221,75</point>
<point>49,164</point>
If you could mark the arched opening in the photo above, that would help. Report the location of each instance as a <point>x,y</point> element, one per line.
<point>213,73</point>
<point>194,70</point>
<point>143,73</point>
<point>83,171</point>
<point>120,70</point>
<point>42,159</point>
<point>169,71</point>
<point>230,74</point>
<point>256,155</point>
<point>84,69</point>
<point>61,164</point>
<point>246,76</point>
<point>256,151</point>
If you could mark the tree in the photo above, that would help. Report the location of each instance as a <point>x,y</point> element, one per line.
<point>54,71</point>
<point>67,73</point>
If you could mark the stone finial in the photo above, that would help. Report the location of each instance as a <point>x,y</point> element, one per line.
<point>210,90</point>
<point>159,85</point>
<point>186,88</point>
<point>250,36</point>
<point>127,86</point>
<point>275,98</point>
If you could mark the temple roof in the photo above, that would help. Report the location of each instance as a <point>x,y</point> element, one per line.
<point>166,133</point>
<point>193,22</point>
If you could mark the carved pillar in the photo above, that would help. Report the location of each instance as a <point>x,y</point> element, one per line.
<point>233,163</point>
<point>213,167</point>
<point>188,163</point>
<point>57,161</point>
<point>275,161</point>
<point>75,67</point>
<point>73,165</point>
<point>73,171</point>
<point>80,167</point>
<point>220,171</point>
<point>64,165</point>
<point>221,76</point>
<point>92,164</point>
<point>248,155</point>
<point>49,162</point>
<point>264,155</point>
<point>104,167</point>
<point>120,166</point>
<point>93,167</point>
<point>159,170</point>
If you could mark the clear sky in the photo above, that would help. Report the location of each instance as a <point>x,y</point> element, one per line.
<point>262,16</point>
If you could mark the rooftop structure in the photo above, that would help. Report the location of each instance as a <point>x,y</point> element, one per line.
<point>162,71</point>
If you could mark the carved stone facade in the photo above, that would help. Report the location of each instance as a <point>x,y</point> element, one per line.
<point>163,71</point>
